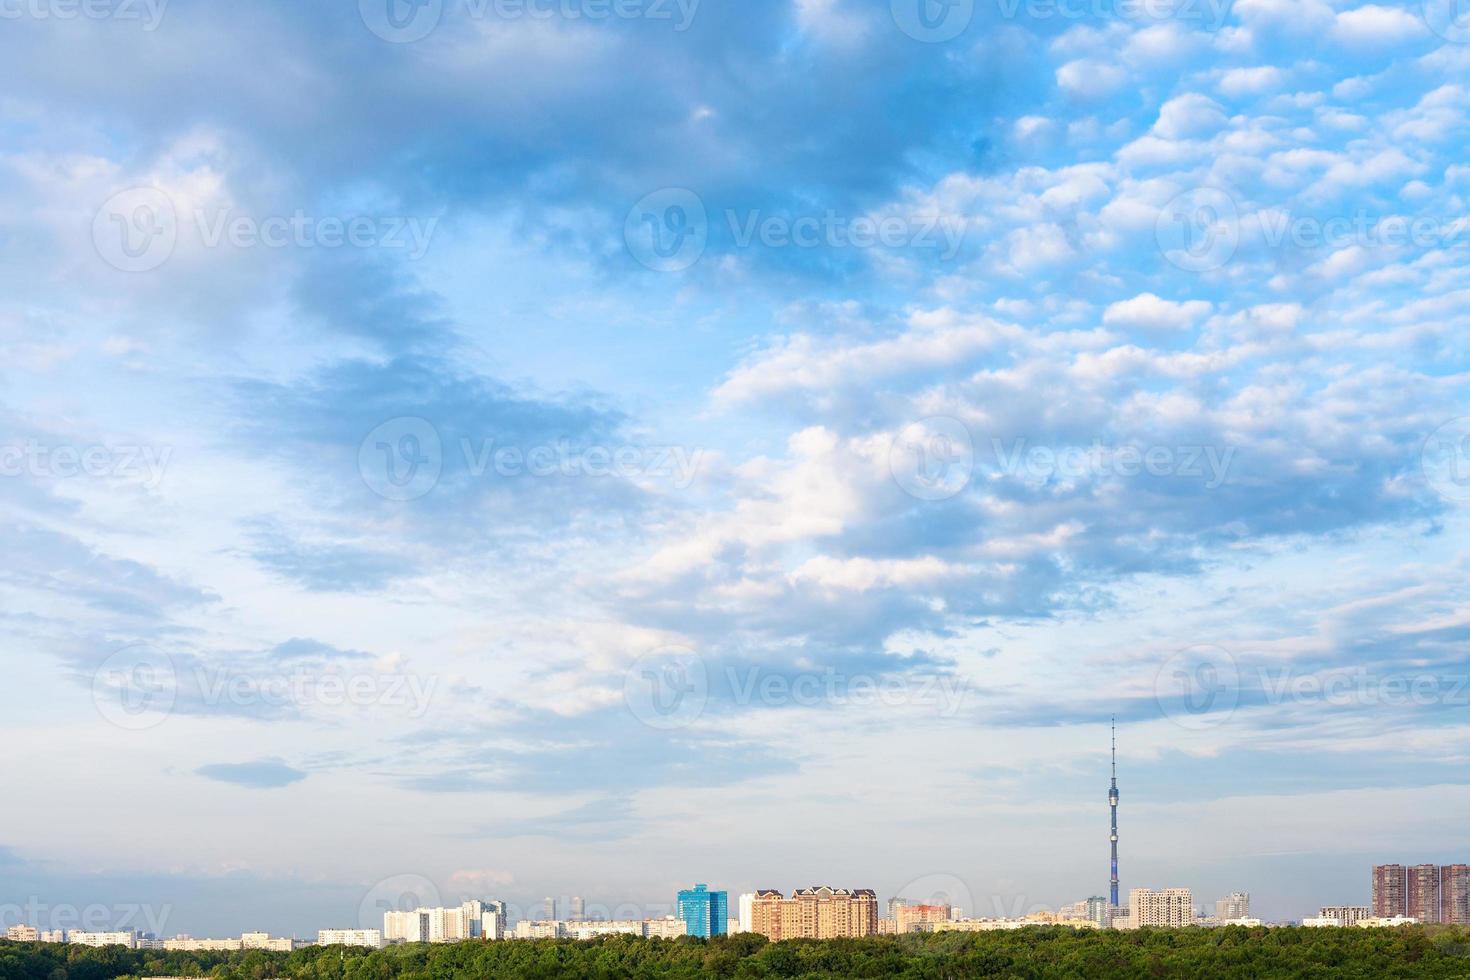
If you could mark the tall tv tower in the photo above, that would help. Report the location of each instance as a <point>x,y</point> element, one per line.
<point>1113,805</point>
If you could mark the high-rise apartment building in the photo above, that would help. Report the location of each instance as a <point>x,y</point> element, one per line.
<point>548,913</point>
<point>406,927</point>
<point>22,934</point>
<point>1454,894</point>
<point>1099,910</point>
<point>821,912</point>
<point>1236,905</point>
<point>707,913</point>
<point>1171,908</point>
<point>1389,894</point>
<point>577,910</point>
<point>492,921</point>
<point>1422,892</point>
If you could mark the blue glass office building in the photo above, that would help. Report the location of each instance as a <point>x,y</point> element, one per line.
<point>706,913</point>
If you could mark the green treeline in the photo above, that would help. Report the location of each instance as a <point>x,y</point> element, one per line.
<point>1039,952</point>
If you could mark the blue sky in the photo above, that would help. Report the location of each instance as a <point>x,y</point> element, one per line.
<point>527,450</point>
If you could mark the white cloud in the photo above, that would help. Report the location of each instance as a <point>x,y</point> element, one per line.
<point>1150,312</point>
<point>1238,82</point>
<point>1375,26</point>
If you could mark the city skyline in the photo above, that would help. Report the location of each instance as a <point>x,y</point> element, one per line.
<point>1392,891</point>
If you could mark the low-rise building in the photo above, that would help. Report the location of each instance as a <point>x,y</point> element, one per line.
<point>187,944</point>
<point>53,936</point>
<point>265,941</point>
<point>371,938</point>
<point>919,918</point>
<point>23,934</point>
<point>128,939</point>
<point>1387,922</point>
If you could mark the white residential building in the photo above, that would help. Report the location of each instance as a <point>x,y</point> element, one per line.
<point>611,927</point>
<point>53,936</point>
<point>492,921</point>
<point>541,929</point>
<point>665,928</point>
<point>186,944</point>
<point>128,939</point>
<point>22,934</point>
<point>372,938</point>
<point>406,927</point>
<point>747,912</point>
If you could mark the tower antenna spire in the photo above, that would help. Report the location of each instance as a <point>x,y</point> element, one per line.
<point>1113,806</point>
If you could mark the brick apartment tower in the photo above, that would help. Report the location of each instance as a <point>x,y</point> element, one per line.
<point>1389,896</point>
<point>1422,895</point>
<point>1454,894</point>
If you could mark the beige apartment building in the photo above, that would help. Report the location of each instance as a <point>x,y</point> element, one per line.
<point>1171,908</point>
<point>820,912</point>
